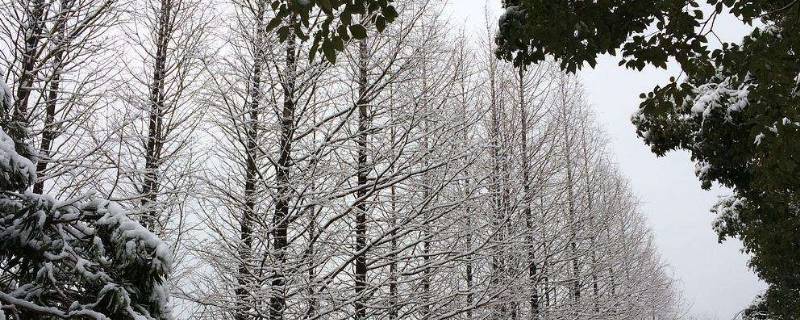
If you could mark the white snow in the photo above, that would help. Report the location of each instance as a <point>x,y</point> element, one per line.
<point>773,128</point>
<point>133,234</point>
<point>6,95</point>
<point>759,138</point>
<point>727,210</point>
<point>711,96</point>
<point>15,169</point>
<point>701,169</point>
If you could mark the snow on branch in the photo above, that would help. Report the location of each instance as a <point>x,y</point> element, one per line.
<point>82,258</point>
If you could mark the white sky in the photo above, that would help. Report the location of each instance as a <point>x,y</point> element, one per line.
<point>715,278</point>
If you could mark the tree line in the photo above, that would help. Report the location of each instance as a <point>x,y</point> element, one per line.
<point>418,177</point>
<point>733,107</point>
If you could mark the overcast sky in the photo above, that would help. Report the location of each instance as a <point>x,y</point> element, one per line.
<point>715,278</point>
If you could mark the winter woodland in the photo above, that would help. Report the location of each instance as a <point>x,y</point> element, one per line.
<point>418,177</point>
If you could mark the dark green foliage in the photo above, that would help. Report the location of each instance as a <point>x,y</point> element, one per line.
<point>736,109</point>
<point>754,150</point>
<point>576,32</point>
<point>77,259</point>
<point>335,21</point>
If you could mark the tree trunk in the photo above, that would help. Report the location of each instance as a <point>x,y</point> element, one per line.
<point>590,208</point>
<point>393,276</point>
<point>33,33</point>
<point>571,213</point>
<point>155,121</point>
<point>362,172</point>
<point>251,170</point>
<point>498,261</point>
<point>284,190</point>
<point>532,272</point>
<point>50,132</point>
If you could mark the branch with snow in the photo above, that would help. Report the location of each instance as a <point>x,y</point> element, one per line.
<point>727,212</point>
<point>711,96</point>
<point>82,258</point>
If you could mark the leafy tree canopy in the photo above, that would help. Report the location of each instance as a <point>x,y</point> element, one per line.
<point>736,109</point>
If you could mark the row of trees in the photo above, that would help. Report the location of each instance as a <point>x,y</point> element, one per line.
<point>734,106</point>
<point>417,178</point>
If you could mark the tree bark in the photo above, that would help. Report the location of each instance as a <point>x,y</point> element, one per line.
<point>282,177</point>
<point>251,168</point>
<point>362,172</point>
<point>33,34</point>
<point>532,272</point>
<point>153,146</point>
<point>50,132</point>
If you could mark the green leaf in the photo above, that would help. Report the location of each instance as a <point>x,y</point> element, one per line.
<point>312,53</point>
<point>326,6</point>
<point>338,43</point>
<point>315,46</point>
<point>304,17</point>
<point>300,34</point>
<point>380,24</point>
<point>358,31</point>
<point>274,23</point>
<point>346,17</point>
<point>283,33</point>
<point>390,13</point>
<point>328,50</point>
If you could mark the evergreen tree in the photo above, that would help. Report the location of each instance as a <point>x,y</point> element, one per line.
<point>77,259</point>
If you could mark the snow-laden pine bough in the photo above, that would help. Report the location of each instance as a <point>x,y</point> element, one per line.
<point>77,259</point>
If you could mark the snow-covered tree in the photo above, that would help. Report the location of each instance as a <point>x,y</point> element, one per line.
<point>417,178</point>
<point>68,259</point>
